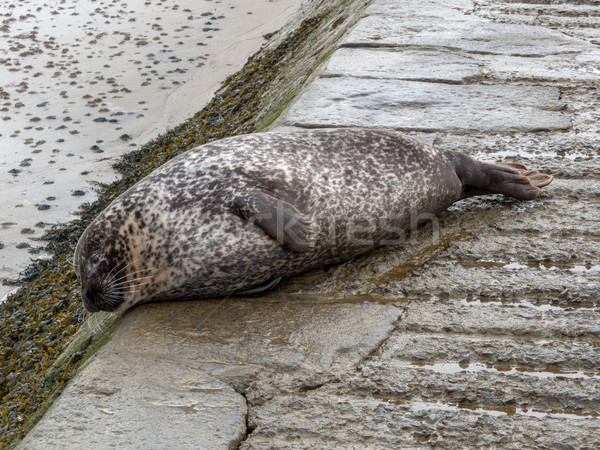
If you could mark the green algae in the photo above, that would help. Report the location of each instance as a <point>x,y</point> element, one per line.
<point>40,320</point>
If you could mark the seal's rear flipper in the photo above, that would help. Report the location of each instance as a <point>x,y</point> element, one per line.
<point>279,219</point>
<point>259,289</point>
<point>512,179</point>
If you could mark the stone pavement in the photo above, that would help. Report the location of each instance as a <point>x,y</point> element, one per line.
<point>482,329</point>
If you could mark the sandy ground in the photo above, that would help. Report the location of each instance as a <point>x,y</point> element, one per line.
<point>82,82</point>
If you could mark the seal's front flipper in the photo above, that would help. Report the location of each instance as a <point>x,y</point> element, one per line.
<point>512,179</point>
<point>259,289</point>
<point>279,219</point>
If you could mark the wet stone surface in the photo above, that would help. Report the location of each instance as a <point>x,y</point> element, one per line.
<point>179,364</point>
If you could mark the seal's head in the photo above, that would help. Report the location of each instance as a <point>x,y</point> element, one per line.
<point>98,272</point>
<point>105,265</point>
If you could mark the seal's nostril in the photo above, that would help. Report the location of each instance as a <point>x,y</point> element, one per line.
<point>87,295</point>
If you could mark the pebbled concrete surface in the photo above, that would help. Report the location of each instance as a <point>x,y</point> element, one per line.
<point>480,330</point>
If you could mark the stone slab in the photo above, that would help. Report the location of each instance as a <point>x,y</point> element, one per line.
<point>356,416</point>
<point>405,64</point>
<point>236,338</point>
<point>446,66</point>
<point>438,9</point>
<point>130,401</point>
<point>459,33</point>
<point>564,67</point>
<point>420,106</point>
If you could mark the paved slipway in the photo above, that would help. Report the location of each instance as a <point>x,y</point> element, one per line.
<point>482,329</point>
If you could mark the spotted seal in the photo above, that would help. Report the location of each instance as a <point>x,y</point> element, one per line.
<point>239,214</point>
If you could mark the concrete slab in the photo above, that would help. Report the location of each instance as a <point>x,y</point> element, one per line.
<point>581,67</point>
<point>438,9</point>
<point>359,416</point>
<point>128,400</point>
<point>408,105</point>
<point>237,338</point>
<point>436,25</point>
<point>577,19</point>
<point>405,64</point>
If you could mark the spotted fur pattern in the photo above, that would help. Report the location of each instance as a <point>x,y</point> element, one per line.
<point>180,234</point>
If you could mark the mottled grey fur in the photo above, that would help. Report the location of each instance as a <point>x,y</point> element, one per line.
<point>194,228</point>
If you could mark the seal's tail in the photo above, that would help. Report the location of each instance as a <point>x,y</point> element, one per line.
<point>512,179</point>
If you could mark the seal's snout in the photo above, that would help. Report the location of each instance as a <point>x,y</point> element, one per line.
<point>87,295</point>
<point>98,297</point>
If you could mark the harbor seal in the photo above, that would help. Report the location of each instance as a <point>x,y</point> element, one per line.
<point>235,216</point>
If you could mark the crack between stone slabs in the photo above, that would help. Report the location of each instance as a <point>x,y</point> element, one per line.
<point>457,131</point>
<point>466,81</point>
<point>395,326</point>
<point>249,430</point>
<point>487,79</point>
<point>458,50</point>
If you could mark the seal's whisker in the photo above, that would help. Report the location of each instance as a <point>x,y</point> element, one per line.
<point>141,272</point>
<point>125,289</point>
<point>95,323</point>
<point>116,277</point>
<point>81,313</point>
<point>130,282</point>
<point>133,291</point>
<point>112,301</point>
<point>109,278</point>
<point>133,275</point>
<point>109,275</point>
